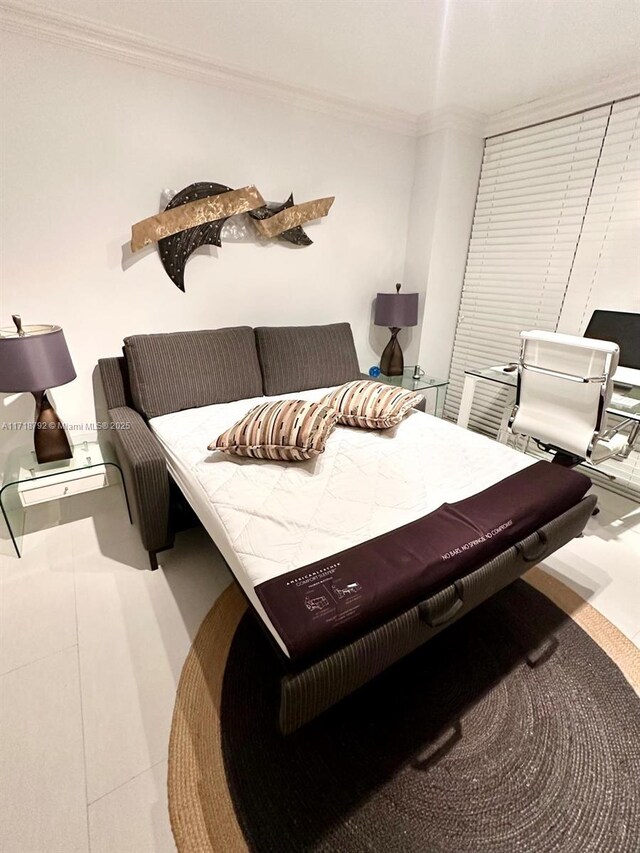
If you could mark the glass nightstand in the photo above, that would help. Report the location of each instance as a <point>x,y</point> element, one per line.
<point>425,383</point>
<point>27,483</point>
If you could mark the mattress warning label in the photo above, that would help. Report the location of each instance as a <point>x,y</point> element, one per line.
<point>478,541</point>
<point>327,596</point>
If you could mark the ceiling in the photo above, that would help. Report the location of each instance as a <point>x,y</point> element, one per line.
<point>409,55</point>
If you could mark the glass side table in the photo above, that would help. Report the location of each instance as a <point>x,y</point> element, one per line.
<point>27,483</point>
<point>423,384</point>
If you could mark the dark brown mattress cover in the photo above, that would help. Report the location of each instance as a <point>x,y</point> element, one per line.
<point>338,598</point>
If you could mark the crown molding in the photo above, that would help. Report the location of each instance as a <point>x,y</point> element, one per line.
<point>592,93</point>
<point>452,118</point>
<point>35,21</point>
<point>28,19</point>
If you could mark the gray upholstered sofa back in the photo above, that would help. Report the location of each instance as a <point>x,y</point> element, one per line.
<point>184,370</point>
<point>296,358</point>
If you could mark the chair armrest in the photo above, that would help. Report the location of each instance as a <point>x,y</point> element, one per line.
<point>144,469</point>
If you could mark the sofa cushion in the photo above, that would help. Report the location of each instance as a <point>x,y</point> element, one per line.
<point>296,358</point>
<point>184,370</point>
<point>286,430</point>
<point>371,405</point>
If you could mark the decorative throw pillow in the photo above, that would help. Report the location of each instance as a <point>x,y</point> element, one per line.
<point>371,405</point>
<point>287,430</point>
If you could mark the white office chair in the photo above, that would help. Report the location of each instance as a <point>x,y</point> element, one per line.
<point>564,387</point>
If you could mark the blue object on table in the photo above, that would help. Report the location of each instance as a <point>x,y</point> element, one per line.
<point>374,371</point>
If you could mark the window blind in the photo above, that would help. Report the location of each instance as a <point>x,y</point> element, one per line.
<point>556,234</point>
<point>606,269</point>
<point>532,197</point>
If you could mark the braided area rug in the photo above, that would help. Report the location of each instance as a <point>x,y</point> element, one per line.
<point>512,730</point>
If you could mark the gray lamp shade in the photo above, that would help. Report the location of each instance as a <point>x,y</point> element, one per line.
<point>35,361</point>
<point>396,310</point>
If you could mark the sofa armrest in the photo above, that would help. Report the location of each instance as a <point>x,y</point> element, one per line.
<point>144,469</point>
<point>115,381</point>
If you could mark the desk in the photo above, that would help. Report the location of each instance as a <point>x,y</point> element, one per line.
<point>625,402</point>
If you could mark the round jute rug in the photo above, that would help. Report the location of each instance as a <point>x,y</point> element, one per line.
<point>516,729</point>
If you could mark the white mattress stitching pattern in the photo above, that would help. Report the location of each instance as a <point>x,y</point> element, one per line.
<point>302,542</point>
<point>240,508</point>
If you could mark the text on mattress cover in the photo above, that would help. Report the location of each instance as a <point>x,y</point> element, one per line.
<point>468,545</point>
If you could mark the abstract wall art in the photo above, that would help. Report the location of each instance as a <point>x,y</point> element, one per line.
<point>196,215</point>
<point>289,217</point>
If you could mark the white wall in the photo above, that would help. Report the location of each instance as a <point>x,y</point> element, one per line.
<point>445,186</point>
<point>430,151</point>
<point>88,145</point>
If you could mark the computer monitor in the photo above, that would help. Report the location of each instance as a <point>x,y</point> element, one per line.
<point>623,328</point>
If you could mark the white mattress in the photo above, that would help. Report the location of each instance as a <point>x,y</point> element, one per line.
<point>268,518</point>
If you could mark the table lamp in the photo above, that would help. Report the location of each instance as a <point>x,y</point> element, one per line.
<point>395,310</point>
<point>33,359</point>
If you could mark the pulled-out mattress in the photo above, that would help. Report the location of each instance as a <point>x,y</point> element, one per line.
<point>278,523</point>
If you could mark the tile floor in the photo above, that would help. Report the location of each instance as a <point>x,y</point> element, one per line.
<point>91,648</point>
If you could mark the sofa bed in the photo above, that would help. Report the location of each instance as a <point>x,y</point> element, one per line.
<point>349,560</point>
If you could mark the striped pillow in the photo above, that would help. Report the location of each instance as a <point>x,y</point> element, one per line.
<point>288,430</point>
<point>371,405</point>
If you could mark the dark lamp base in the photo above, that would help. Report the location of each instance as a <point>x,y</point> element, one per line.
<point>50,439</point>
<point>392,361</point>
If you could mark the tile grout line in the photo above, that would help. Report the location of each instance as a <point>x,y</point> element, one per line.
<point>122,784</point>
<point>82,726</point>
<point>38,660</point>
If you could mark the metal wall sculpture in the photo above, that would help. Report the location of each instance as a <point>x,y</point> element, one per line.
<point>196,215</point>
<point>293,235</point>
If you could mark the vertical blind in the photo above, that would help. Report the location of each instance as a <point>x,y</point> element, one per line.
<point>555,235</point>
